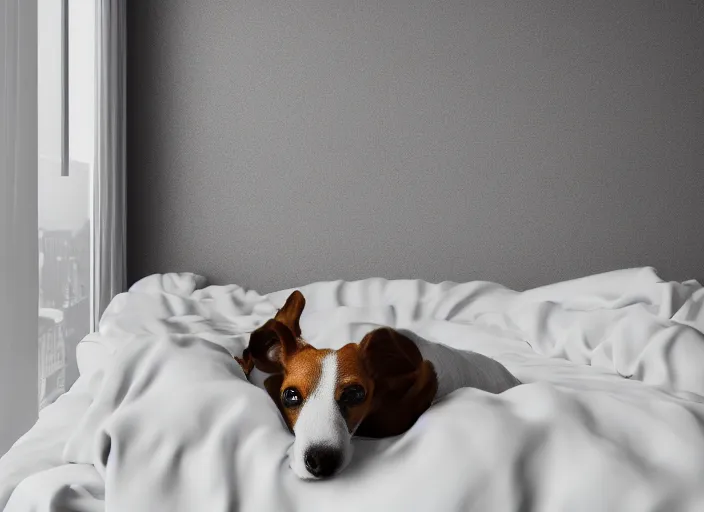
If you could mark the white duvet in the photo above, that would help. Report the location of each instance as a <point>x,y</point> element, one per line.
<point>611,415</point>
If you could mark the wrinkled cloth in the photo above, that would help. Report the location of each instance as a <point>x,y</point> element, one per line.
<point>610,415</point>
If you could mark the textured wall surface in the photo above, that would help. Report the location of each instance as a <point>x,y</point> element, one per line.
<point>274,143</point>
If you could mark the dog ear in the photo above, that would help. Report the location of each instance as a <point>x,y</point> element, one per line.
<point>404,383</point>
<point>290,312</point>
<point>270,346</point>
<point>389,355</point>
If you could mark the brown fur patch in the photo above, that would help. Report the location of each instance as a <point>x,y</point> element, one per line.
<point>302,371</point>
<point>350,371</point>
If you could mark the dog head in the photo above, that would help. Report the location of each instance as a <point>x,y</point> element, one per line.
<point>376,388</point>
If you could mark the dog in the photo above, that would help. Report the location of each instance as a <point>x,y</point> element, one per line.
<point>377,388</point>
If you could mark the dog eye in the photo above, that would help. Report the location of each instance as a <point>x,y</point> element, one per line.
<point>291,398</point>
<point>353,395</point>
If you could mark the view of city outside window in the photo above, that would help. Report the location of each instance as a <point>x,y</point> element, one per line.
<point>64,201</point>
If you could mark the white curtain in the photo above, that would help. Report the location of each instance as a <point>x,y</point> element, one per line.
<point>109,214</point>
<point>18,218</point>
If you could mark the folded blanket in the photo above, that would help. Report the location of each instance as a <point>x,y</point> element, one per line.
<point>610,415</point>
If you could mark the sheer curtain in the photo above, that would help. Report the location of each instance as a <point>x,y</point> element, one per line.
<point>18,218</point>
<point>109,214</point>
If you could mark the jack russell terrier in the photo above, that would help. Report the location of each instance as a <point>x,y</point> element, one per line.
<point>377,388</point>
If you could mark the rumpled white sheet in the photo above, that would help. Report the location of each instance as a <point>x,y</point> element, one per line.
<point>611,415</point>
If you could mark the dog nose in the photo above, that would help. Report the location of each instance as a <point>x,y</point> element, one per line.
<point>322,461</point>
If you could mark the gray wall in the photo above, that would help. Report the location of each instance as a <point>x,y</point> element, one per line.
<point>273,143</point>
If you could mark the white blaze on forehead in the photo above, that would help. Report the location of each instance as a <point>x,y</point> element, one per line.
<point>320,416</point>
<point>320,421</point>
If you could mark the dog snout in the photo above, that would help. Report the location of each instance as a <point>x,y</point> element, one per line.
<point>322,461</point>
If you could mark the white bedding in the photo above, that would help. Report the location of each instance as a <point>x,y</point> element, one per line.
<point>611,415</point>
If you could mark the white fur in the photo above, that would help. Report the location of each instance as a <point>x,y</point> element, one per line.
<point>457,369</point>
<point>320,421</point>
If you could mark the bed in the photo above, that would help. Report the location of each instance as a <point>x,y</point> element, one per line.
<point>610,415</point>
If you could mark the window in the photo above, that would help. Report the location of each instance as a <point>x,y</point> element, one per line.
<point>65,186</point>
